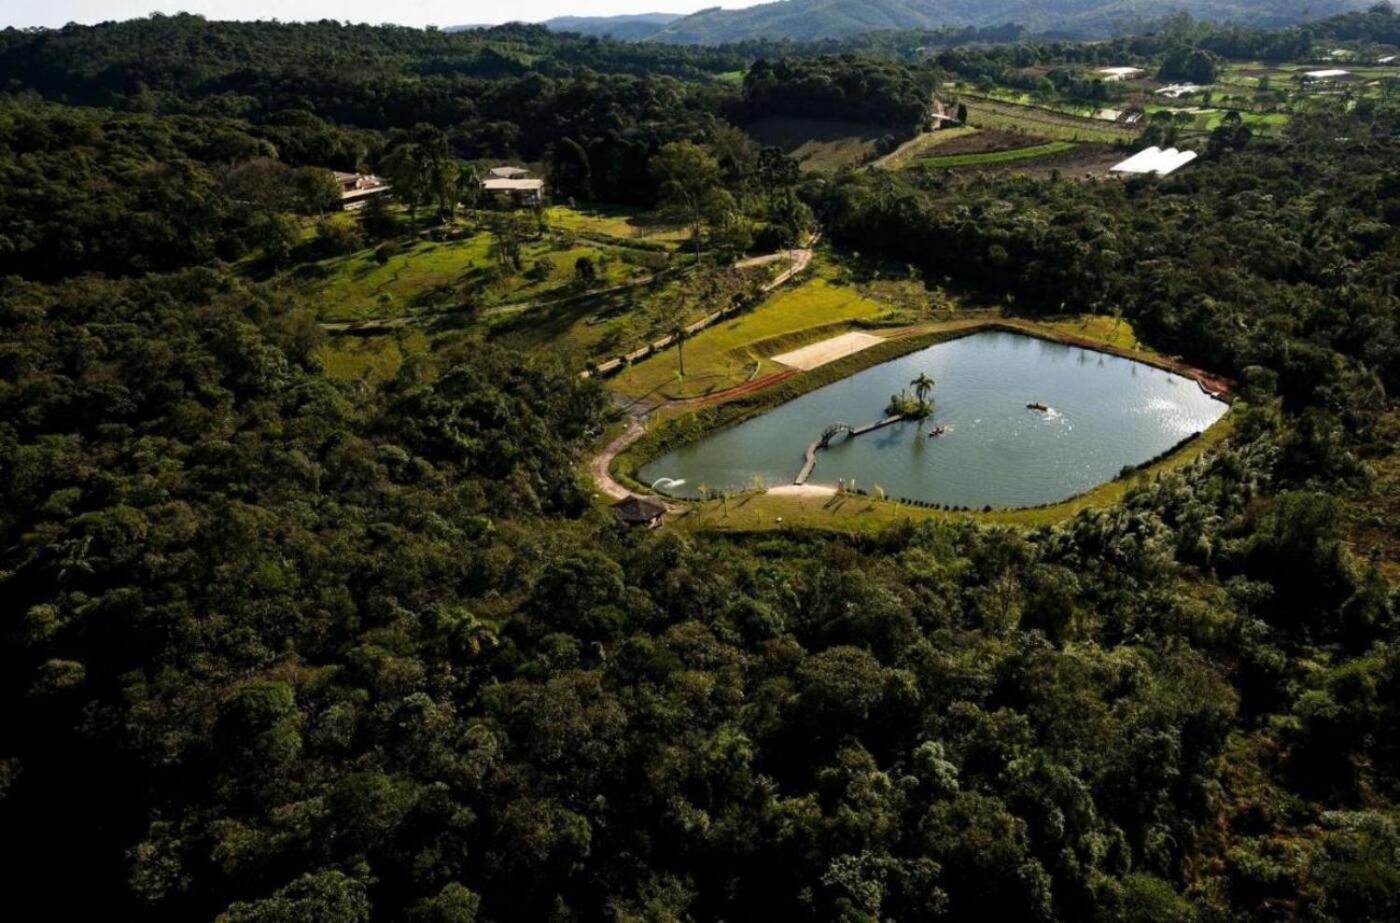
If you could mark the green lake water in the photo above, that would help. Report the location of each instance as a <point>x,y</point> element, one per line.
<point>1105,412</point>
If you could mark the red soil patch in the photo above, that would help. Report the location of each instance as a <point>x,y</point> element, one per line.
<point>740,390</point>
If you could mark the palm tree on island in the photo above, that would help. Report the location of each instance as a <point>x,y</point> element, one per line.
<point>916,407</point>
<point>922,386</point>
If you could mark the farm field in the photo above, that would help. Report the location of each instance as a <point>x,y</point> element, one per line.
<point>1003,156</point>
<point>1045,123</point>
<point>909,152</point>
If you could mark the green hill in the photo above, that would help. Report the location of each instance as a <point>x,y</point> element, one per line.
<point>628,28</point>
<point>817,19</point>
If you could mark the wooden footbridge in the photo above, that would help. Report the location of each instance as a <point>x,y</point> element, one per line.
<point>830,433</point>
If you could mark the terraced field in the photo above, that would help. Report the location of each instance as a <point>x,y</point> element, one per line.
<point>1046,123</point>
<point>1005,156</point>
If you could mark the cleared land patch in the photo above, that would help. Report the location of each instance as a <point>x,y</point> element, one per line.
<point>819,145</point>
<point>981,141</point>
<point>909,150</point>
<point>819,354</point>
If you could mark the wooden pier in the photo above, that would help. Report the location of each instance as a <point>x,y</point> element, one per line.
<point>810,461</point>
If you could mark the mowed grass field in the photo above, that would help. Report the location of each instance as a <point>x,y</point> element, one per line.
<point>739,349</point>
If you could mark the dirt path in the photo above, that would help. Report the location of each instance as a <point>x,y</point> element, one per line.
<point>737,391</point>
<point>602,462</point>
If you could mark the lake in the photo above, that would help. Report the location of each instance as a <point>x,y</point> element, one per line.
<point>1105,413</point>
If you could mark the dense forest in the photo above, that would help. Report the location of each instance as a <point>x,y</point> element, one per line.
<point>282,647</point>
<point>814,20</point>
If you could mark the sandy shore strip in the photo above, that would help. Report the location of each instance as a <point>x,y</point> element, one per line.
<point>819,354</point>
<point>802,490</point>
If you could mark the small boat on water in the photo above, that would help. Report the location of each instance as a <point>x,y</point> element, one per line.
<point>936,431</point>
<point>1036,405</point>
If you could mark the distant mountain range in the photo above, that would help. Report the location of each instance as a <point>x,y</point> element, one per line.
<point>819,19</point>
<point>627,28</point>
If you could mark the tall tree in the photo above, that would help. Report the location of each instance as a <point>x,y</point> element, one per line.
<point>569,171</point>
<point>687,174</point>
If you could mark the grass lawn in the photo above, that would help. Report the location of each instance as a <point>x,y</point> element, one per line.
<point>1099,327</point>
<point>1022,153</point>
<point>611,221</point>
<point>594,329</point>
<point>760,512</point>
<point>737,350</point>
<point>424,275</point>
<point>370,358</point>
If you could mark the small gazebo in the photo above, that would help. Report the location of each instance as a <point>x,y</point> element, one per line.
<point>640,511</point>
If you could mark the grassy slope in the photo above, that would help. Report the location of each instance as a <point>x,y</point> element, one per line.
<point>592,329</point>
<point>736,350</point>
<point>819,145</point>
<point>427,275</point>
<point>1043,122</point>
<point>911,150</point>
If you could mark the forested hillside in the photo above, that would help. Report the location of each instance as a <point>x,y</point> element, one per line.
<point>820,19</point>
<point>281,644</point>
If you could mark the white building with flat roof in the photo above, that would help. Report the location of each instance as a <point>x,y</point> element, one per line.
<point>529,191</point>
<point>1121,73</point>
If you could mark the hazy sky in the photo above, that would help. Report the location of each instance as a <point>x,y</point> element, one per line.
<point>407,12</point>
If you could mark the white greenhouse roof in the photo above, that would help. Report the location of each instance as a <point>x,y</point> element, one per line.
<point>1327,74</point>
<point>1177,90</point>
<point>1155,160</point>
